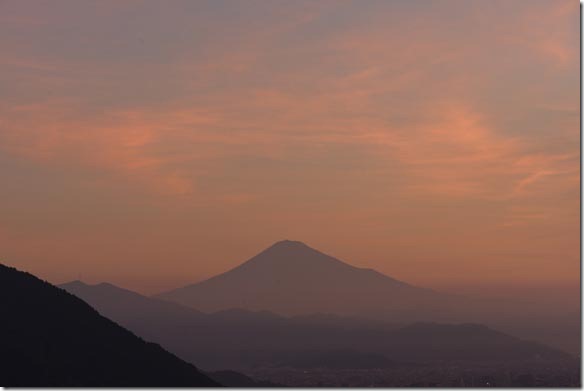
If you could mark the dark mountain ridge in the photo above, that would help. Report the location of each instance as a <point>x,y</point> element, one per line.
<point>50,337</point>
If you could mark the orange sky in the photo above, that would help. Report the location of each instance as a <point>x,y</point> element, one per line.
<point>152,144</point>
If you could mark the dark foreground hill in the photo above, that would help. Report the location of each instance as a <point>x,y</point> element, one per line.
<point>49,337</point>
<point>240,339</point>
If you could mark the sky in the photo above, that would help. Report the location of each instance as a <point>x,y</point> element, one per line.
<point>154,144</point>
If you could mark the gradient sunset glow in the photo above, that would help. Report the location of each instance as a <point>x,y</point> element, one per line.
<point>153,144</point>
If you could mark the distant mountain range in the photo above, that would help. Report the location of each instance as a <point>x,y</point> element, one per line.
<point>291,278</point>
<point>51,338</point>
<point>241,339</point>
<point>288,307</point>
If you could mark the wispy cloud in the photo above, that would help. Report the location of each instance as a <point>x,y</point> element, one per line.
<point>332,106</point>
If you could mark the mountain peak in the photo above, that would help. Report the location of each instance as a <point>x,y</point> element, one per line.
<point>292,253</point>
<point>289,243</point>
<point>290,277</point>
<point>74,283</point>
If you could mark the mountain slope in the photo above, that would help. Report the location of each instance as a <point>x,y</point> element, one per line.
<point>239,339</point>
<point>291,278</point>
<point>52,338</point>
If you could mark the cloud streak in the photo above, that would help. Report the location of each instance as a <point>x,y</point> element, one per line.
<point>324,107</point>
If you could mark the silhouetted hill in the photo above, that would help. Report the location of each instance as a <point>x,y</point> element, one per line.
<point>240,339</point>
<point>291,278</point>
<point>52,338</point>
<point>148,317</point>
